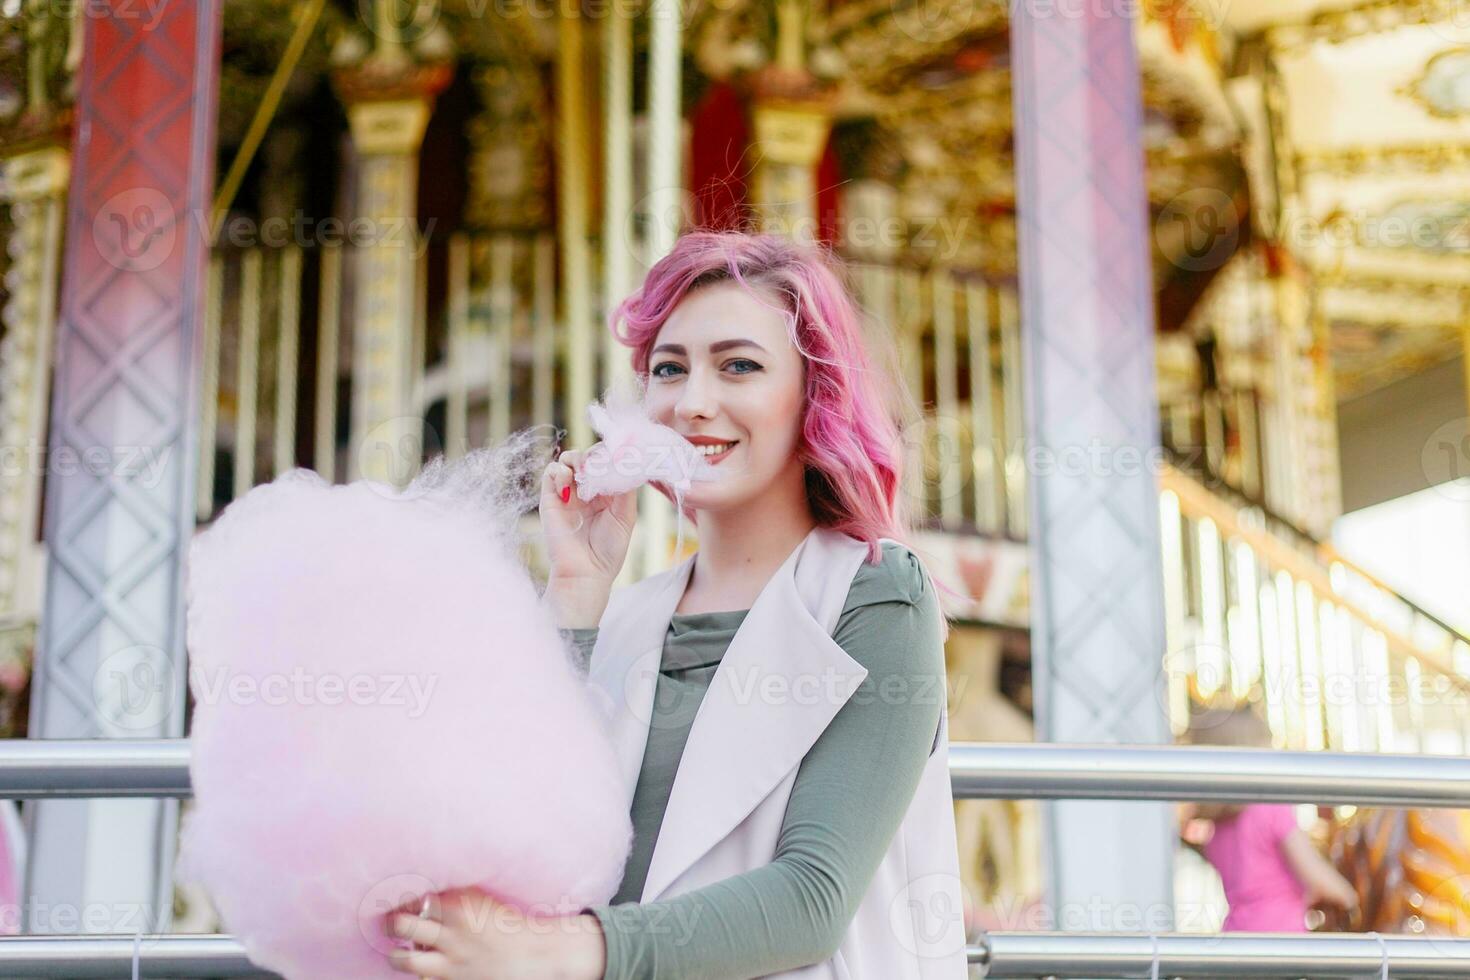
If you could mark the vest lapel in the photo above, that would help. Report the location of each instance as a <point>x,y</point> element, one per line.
<point>626,659</point>
<point>778,686</point>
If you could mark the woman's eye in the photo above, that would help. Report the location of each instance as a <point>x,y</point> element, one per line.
<point>751,365</point>
<point>657,371</point>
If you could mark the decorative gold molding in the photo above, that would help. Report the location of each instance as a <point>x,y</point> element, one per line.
<point>1372,283</point>
<point>1433,228</point>
<point>1287,171</point>
<point>1347,24</point>
<point>1357,374</point>
<point>28,133</point>
<point>791,133</point>
<point>1406,158</point>
<point>388,127</point>
<point>881,51</point>
<point>1415,90</point>
<point>37,174</point>
<point>375,82</point>
<point>984,97</point>
<point>510,153</point>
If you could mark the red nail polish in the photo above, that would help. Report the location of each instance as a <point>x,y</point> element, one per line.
<point>566,493</point>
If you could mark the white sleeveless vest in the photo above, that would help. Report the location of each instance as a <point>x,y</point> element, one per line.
<point>779,684</point>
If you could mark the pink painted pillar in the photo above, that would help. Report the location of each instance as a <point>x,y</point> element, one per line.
<point>1087,337</point>
<point>121,449</point>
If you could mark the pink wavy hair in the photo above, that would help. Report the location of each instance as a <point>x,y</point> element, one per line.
<point>851,431</point>
<point>850,441</point>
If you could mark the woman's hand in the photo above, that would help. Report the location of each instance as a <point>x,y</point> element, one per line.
<point>472,936</point>
<point>586,543</point>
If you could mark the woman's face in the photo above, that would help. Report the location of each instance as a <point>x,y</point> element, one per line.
<point>723,366</point>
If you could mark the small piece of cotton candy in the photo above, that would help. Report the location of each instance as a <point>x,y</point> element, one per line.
<point>635,450</point>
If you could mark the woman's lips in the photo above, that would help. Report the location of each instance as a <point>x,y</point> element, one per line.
<point>712,460</point>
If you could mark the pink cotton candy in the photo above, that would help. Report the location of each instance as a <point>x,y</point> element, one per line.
<point>634,450</point>
<point>384,710</point>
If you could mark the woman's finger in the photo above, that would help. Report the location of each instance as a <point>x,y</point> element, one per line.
<point>425,932</point>
<point>572,460</point>
<point>557,477</point>
<point>625,507</point>
<point>431,966</point>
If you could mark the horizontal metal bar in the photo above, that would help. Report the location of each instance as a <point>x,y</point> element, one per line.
<point>37,768</point>
<point>1000,954</point>
<point>1177,772</point>
<point>47,768</point>
<point>1284,955</point>
<point>170,955</point>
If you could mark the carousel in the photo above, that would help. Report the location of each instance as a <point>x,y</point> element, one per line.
<point>414,216</point>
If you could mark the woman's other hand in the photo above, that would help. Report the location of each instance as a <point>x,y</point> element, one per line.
<point>472,936</point>
<point>586,541</point>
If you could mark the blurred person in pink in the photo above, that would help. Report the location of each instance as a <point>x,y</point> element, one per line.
<point>1269,868</point>
<point>12,868</point>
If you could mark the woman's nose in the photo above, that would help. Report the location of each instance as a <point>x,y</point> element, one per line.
<point>695,398</point>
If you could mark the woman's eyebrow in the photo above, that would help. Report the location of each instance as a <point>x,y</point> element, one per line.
<point>714,348</point>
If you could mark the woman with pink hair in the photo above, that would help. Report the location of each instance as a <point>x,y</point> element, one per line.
<point>750,348</point>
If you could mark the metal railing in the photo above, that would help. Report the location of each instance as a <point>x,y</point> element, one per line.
<point>62,768</point>
<point>36,768</point>
<point>1108,955</point>
<point>169,955</point>
<point>1150,772</point>
<point>1001,954</point>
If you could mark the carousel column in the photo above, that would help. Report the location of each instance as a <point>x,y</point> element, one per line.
<point>792,118</point>
<point>34,185</point>
<point>664,204</point>
<point>618,258</point>
<point>1308,487</point>
<point>572,224</point>
<point>120,490</point>
<point>1307,483</point>
<point>1097,621</point>
<point>617,183</point>
<point>389,99</point>
<point>1465,363</point>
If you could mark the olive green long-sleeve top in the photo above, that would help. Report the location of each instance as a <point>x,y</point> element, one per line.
<point>851,791</point>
